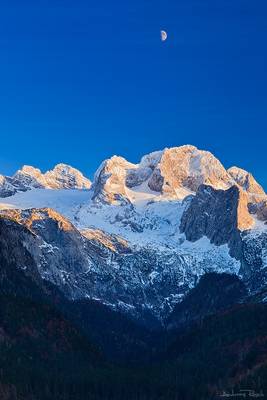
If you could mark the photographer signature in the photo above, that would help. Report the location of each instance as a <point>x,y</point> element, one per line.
<point>243,394</point>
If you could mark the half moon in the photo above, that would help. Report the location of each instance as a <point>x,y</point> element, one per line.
<point>163,36</point>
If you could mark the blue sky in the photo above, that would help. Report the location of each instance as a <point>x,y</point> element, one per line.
<point>83,80</point>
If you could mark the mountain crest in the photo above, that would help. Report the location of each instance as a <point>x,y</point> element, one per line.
<point>173,173</point>
<point>61,177</point>
<point>64,176</point>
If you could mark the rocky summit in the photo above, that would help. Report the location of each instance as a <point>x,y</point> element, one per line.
<point>61,177</point>
<point>142,235</point>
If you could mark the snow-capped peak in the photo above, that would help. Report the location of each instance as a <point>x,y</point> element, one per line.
<point>172,172</point>
<point>61,177</point>
<point>29,177</point>
<point>246,181</point>
<point>28,169</point>
<point>110,179</point>
<point>64,176</point>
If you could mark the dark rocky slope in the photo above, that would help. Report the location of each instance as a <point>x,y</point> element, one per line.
<point>213,293</point>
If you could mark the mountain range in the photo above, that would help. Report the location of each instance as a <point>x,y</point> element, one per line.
<point>131,265</point>
<point>140,237</point>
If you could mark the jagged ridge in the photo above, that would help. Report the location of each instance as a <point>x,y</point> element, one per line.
<point>61,177</point>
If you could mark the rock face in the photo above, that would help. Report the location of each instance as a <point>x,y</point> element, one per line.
<point>6,186</point>
<point>259,209</point>
<point>142,172</point>
<point>61,177</point>
<point>218,214</point>
<point>186,167</point>
<point>57,247</point>
<point>246,181</point>
<point>109,182</point>
<point>19,273</point>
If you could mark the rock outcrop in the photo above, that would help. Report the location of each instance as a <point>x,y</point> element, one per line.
<point>218,214</point>
<point>248,183</point>
<point>109,184</point>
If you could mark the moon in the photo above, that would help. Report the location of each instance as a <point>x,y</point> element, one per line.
<point>163,36</point>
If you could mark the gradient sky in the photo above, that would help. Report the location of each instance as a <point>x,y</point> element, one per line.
<point>83,80</point>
